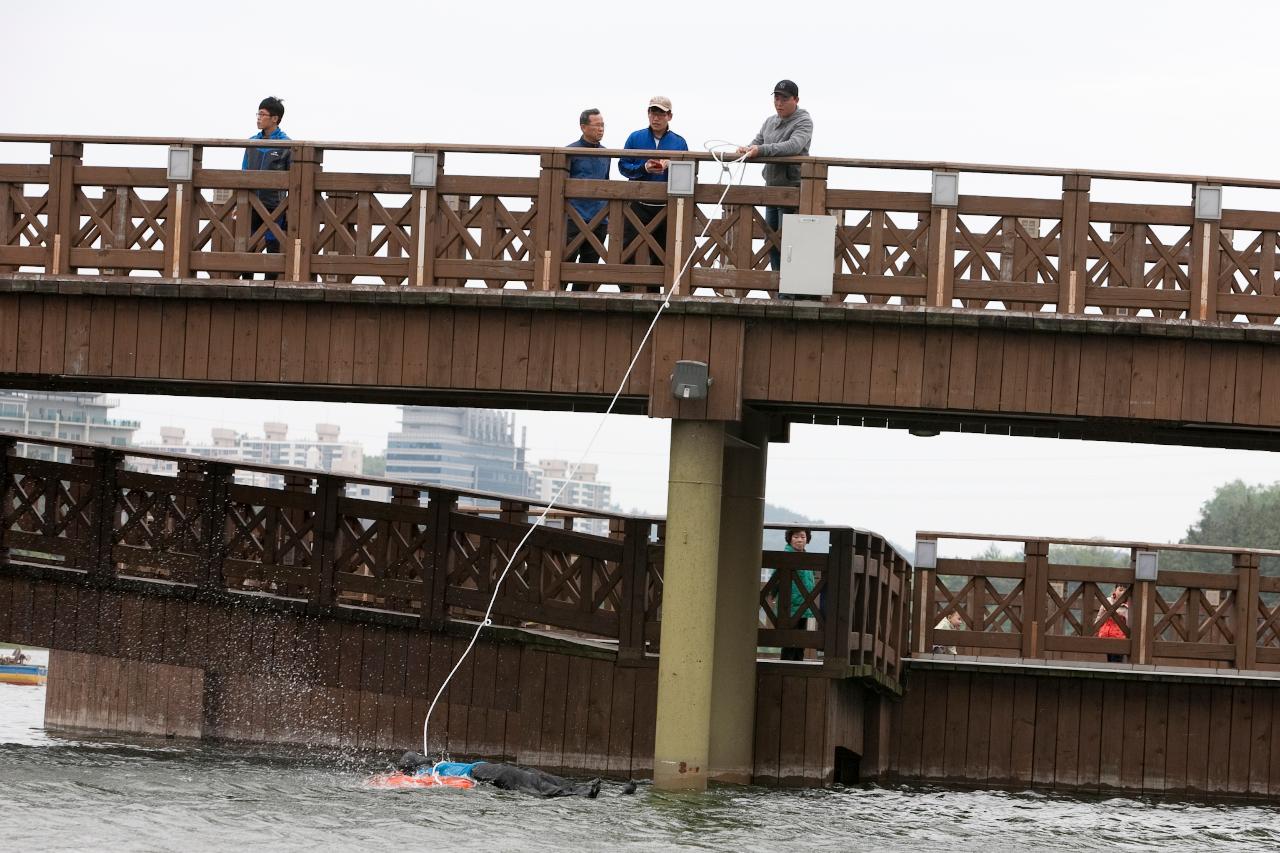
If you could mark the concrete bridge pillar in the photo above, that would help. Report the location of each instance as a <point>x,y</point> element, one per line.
<point>682,737</point>
<point>733,680</point>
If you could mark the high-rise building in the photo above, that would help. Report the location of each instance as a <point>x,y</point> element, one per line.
<point>69,415</point>
<point>470,449</point>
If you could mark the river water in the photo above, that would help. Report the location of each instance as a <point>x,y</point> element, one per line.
<point>78,793</point>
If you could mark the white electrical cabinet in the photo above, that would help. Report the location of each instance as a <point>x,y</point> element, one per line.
<point>808,254</point>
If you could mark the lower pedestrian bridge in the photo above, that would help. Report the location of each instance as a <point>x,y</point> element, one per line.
<point>267,604</point>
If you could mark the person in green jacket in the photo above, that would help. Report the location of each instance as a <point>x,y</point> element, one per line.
<point>802,584</point>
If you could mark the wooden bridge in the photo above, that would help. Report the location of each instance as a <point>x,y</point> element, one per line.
<point>1098,310</point>
<point>1072,316</point>
<point>198,606</point>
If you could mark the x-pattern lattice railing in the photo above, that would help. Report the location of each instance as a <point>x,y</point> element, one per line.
<point>1065,253</point>
<point>1153,611</point>
<point>301,538</point>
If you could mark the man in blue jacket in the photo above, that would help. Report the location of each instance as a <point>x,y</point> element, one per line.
<point>270,113</point>
<point>590,168</point>
<point>658,136</point>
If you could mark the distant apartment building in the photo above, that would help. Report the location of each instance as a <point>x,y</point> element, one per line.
<point>71,416</point>
<point>325,452</point>
<point>468,449</point>
<point>583,491</point>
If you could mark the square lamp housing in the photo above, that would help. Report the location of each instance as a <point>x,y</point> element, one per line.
<point>1146,565</point>
<point>1208,202</point>
<point>926,554</point>
<point>682,178</point>
<point>182,163</point>
<point>946,189</point>
<point>422,170</point>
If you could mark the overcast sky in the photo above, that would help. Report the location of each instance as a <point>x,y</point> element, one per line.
<point>1168,87</point>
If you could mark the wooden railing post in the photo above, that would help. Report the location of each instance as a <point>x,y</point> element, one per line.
<point>922,608</point>
<point>63,222</point>
<point>1035,588</point>
<point>217,499</point>
<point>440,505</point>
<point>426,202</point>
<point>391,551</point>
<point>1204,271</point>
<point>300,233</point>
<point>8,447</point>
<point>635,558</point>
<point>1246,569</point>
<point>329,490</point>
<point>902,614</point>
<point>1073,243</point>
<point>941,274</point>
<point>1141,604</point>
<point>180,225</point>
<point>549,222</point>
<point>105,518</point>
<point>681,219</point>
<point>836,603</point>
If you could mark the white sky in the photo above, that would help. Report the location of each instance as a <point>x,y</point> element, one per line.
<point>1161,87</point>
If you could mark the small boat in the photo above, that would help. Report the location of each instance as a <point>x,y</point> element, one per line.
<point>23,673</point>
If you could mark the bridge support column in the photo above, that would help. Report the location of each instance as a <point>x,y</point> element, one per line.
<point>733,680</point>
<point>685,666</point>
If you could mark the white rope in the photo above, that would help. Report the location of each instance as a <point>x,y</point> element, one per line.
<point>713,147</point>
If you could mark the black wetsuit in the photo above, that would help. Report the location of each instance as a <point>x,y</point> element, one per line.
<point>510,777</point>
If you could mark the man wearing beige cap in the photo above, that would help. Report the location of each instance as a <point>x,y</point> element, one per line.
<point>658,136</point>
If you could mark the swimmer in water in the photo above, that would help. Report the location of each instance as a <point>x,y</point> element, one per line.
<point>505,777</point>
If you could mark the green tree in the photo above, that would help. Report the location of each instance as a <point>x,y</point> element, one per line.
<point>375,466</point>
<point>1237,515</point>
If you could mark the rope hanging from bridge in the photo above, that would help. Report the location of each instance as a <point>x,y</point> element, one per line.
<point>718,148</point>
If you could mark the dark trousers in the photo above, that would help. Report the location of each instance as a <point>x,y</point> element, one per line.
<point>800,623</point>
<point>585,253</point>
<point>773,218</point>
<point>273,246</point>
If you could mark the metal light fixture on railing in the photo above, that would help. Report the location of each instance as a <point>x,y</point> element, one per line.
<point>422,169</point>
<point>1146,565</point>
<point>926,553</point>
<point>1208,202</point>
<point>682,178</point>
<point>946,189</point>
<point>182,162</point>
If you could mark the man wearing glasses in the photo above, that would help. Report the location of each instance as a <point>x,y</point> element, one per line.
<point>786,134</point>
<point>658,136</point>
<point>270,112</point>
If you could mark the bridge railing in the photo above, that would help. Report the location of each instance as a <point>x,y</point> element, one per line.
<point>430,552</point>
<point>1171,605</point>
<point>1103,242</point>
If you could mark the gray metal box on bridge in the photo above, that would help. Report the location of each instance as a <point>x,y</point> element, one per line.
<point>808,263</point>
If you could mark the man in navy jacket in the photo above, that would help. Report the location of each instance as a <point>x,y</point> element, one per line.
<point>270,113</point>
<point>590,168</point>
<point>658,136</point>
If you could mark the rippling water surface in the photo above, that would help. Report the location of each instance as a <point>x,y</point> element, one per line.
<point>139,794</point>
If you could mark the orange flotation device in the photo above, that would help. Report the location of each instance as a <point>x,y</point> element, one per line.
<point>427,780</point>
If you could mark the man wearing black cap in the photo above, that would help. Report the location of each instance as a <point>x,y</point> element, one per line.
<point>786,134</point>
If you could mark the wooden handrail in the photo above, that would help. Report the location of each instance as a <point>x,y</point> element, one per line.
<point>539,150</point>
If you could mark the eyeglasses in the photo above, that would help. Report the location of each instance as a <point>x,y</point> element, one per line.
<point>263,114</point>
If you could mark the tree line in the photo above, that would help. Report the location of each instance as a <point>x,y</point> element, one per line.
<point>1238,515</point>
